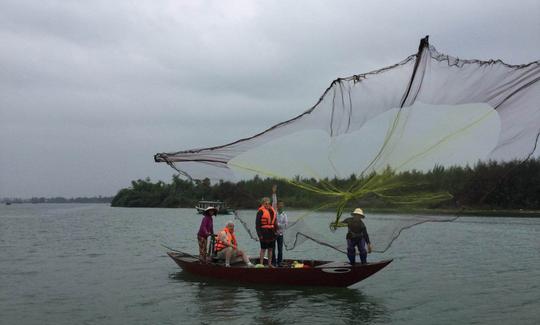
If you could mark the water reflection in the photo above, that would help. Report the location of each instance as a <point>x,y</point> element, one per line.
<point>265,304</point>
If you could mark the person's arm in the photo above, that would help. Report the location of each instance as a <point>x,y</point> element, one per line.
<point>274,197</point>
<point>208,227</point>
<point>203,229</point>
<point>276,224</point>
<point>258,223</point>
<point>335,225</point>
<point>343,223</point>
<point>366,237</point>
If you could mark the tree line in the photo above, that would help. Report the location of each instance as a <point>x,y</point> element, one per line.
<point>487,185</point>
<point>59,199</point>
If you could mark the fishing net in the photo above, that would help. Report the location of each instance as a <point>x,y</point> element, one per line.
<point>310,226</point>
<point>428,110</point>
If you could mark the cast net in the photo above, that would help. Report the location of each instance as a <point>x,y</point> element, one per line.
<point>375,130</point>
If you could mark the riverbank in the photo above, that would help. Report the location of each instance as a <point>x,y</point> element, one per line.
<point>424,211</point>
<point>461,212</point>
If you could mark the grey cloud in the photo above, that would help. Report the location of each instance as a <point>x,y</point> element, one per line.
<point>126,79</point>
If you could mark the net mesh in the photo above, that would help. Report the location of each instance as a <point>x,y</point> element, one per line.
<point>304,226</point>
<point>428,110</point>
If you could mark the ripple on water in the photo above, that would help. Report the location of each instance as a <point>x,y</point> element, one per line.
<point>99,265</point>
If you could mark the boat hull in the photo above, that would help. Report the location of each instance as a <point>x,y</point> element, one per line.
<point>319,273</point>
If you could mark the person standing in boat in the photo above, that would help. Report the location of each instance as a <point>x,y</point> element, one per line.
<point>266,226</point>
<point>282,223</point>
<point>226,247</point>
<point>206,229</point>
<point>357,236</point>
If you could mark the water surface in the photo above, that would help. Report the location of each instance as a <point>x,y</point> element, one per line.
<point>93,264</point>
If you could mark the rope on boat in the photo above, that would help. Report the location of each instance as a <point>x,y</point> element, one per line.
<point>177,251</point>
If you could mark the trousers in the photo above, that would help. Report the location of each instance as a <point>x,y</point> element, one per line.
<point>359,242</point>
<point>279,252</point>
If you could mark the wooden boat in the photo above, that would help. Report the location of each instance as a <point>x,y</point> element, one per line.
<point>314,272</point>
<point>219,205</point>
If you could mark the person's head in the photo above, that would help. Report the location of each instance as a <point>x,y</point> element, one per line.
<point>358,213</point>
<point>210,211</point>
<point>265,202</point>
<point>230,225</point>
<point>281,205</point>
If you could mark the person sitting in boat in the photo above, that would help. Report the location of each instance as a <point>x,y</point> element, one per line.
<point>206,229</point>
<point>226,247</point>
<point>266,226</point>
<point>282,223</point>
<point>357,236</point>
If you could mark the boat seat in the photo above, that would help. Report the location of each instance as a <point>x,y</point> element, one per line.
<point>336,264</point>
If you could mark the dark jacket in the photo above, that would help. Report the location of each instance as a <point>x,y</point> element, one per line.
<point>357,228</point>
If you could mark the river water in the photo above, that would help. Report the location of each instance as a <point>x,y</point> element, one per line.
<point>93,264</point>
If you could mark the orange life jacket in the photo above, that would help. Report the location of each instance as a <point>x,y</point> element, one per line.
<point>231,238</point>
<point>267,220</point>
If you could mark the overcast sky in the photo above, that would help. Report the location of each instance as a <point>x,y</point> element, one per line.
<point>91,90</point>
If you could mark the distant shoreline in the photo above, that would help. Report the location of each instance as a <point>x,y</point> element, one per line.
<point>457,212</point>
<point>462,212</point>
<point>18,203</point>
<point>57,200</point>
